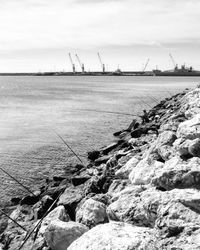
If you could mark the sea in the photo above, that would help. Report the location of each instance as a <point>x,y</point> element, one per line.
<point>85,111</point>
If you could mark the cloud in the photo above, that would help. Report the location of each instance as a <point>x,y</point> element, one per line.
<point>37,25</point>
<point>41,23</point>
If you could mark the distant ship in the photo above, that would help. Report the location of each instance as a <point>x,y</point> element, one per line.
<point>183,71</point>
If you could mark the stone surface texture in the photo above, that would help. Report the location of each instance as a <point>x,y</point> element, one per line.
<point>59,235</point>
<point>115,236</point>
<point>91,213</point>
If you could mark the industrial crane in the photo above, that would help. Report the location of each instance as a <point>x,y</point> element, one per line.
<point>173,61</point>
<point>73,65</point>
<point>146,65</point>
<point>102,64</point>
<point>81,64</point>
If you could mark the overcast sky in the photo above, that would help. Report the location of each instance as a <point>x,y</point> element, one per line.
<point>36,35</point>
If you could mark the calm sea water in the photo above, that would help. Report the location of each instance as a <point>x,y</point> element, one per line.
<point>32,108</point>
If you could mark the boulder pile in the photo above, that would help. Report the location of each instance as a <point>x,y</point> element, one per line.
<point>141,192</point>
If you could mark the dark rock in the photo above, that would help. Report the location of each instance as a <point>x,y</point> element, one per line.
<point>29,200</point>
<point>98,184</point>
<point>101,160</point>
<point>93,155</point>
<point>59,178</point>
<point>42,206</point>
<point>109,148</point>
<point>172,231</point>
<point>118,133</point>
<point>123,145</point>
<point>70,199</point>
<point>144,130</point>
<point>78,180</point>
<point>92,186</point>
<point>15,200</point>
<point>136,133</point>
<point>79,166</point>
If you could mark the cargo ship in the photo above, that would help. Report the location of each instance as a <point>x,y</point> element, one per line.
<point>182,71</point>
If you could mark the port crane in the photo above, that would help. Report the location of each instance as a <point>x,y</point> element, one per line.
<point>147,62</point>
<point>72,63</point>
<point>81,64</point>
<point>102,64</point>
<point>173,61</point>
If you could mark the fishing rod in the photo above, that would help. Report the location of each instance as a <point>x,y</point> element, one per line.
<point>39,223</point>
<point>153,98</point>
<point>17,181</point>
<point>158,101</point>
<point>68,146</point>
<point>169,93</point>
<point>108,112</point>
<point>12,220</point>
<point>145,103</point>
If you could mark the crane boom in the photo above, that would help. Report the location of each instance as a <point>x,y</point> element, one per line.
<point>146,64</point>
<point>72,63</point>
<point>81,64</point>
<point>173,61</point>
<point>99,58</point>
<point>102,64</point>
<point>78,60</point>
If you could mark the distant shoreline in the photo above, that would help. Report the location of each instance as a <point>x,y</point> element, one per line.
<point>125,73</point>
<point>94,73</point>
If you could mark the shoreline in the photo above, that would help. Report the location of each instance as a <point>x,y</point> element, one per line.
<point>124,73</point>
<point>128,185</point>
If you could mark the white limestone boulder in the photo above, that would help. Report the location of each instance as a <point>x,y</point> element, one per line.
<point>178,173</point>
<point>71,196</point>
<point>91,213</point>
<point>59,213</point>
<point>59,235</point>
<point>191,103</point>
<point>116,236</point>
<point>124,171</point>
<point>144,171</point>
<point>191,147</point>
<point>117,186</point>
<point>149,208</point>
<point>182,146</point>
<point>166,138</point>
<point>131,190</point>
<point>175,217</point>
<point>189,129</point>
<point>166,152</point>
<point>194,147</point>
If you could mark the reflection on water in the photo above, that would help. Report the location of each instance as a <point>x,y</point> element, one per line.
<point>32,107</point>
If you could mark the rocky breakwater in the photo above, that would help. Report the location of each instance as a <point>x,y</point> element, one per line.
<point>140,192</point>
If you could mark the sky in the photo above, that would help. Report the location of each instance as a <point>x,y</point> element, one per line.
<point>37,35</point>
